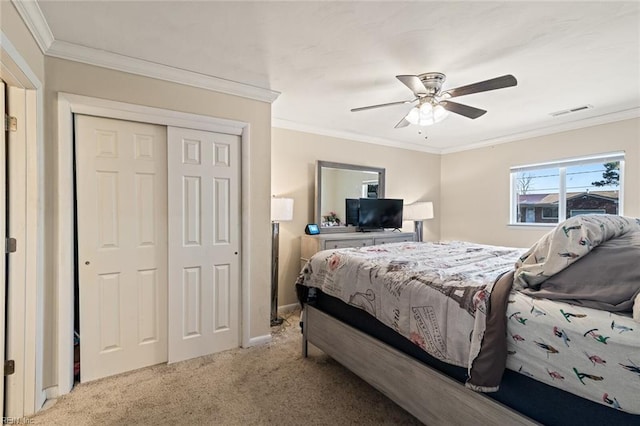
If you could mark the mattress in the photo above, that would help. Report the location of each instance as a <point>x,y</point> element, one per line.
<point>591,353</point>
<point>546,404</point>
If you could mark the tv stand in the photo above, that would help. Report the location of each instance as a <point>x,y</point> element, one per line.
<point>311,244</point>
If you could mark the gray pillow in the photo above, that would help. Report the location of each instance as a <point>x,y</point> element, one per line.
<point>607,278</point>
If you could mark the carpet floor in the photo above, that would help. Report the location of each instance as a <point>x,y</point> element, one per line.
<point>268,384</point>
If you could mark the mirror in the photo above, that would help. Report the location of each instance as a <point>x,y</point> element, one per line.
<point>336,182</point>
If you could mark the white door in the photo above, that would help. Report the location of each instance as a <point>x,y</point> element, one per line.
<point>121,179</point>
<point>204,243</point>
<point>3,229</point>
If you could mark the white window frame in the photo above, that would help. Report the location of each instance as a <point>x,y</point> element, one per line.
<point>562,165</point>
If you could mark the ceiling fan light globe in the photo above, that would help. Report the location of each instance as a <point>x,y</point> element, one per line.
<point>426,120</point>
<point>426,108</point>
<point>413,116</point>
<point>439,113</point>
<point>426,114</point>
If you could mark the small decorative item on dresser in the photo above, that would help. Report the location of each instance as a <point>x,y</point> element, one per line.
<point>331,219</point>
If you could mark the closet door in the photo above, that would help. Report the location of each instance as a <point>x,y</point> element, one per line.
<point>121,174</point>
<point>204,242</point>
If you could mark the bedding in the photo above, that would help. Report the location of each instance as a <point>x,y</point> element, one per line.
<point>608,278</point>
<point>571,327</point>
<point>436,295</point>
<point>591,353</point>
<point>567,243</point>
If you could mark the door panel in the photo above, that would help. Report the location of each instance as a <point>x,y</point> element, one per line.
<point>3,229</point>
<point>204,232</point>
<point>122,245</point>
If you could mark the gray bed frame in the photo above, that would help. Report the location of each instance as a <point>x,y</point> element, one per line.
<point>429,395</point>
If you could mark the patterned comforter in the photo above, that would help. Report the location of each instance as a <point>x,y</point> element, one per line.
<point>434,294</point>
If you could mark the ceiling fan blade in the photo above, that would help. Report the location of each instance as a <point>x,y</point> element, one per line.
<point>483,86</point>
<point>382,105</point>
<point>413,83</point>
<point>466,110</point>
<point>402,123</point>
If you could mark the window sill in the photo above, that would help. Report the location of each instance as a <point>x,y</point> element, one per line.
<point>532,225</point>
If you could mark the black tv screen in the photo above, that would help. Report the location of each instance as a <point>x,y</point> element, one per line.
<point>352,206</point>
<point>379,213</point>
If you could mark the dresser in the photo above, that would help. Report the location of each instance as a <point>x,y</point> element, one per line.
<point>311,244</point>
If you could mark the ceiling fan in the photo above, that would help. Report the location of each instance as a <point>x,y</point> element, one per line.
<point>433,104</point>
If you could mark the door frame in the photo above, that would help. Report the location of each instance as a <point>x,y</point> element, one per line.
<point>27,317</point>
<point>69,104</point>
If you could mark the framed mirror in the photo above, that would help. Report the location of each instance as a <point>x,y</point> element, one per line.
<point>337,182</point>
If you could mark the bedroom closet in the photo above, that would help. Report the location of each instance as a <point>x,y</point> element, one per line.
<point>157,259</point>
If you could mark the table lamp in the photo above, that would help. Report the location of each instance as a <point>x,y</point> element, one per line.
<point>417,212</point>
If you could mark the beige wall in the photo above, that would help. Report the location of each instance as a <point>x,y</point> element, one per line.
<point>410,175</point>
<point>19,35</point>
<point>76,78</point>
<point>475,183</point>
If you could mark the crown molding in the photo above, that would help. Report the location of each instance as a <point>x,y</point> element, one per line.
<point>301,127</point>
<point>114,61</point>
<point>33,18</point>
<point>37,24</point>
<point>543,131</point>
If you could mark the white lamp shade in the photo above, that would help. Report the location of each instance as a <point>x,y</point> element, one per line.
<point>281,209</point>
<point>421,210</point>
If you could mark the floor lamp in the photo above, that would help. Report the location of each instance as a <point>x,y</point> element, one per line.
<point>281,211</point>
<point>417,212</point>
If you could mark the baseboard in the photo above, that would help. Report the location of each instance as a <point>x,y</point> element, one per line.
<point>287,309</point>
<point>259,340</point>
<point>51,392</point>
<point>51,395</point>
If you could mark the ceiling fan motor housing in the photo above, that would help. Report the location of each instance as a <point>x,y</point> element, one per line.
<point>432,81</point>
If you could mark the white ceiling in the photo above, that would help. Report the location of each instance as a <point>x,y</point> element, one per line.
<point>328,57</point>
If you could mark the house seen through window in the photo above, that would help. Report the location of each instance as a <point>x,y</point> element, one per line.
<point>552,192</point>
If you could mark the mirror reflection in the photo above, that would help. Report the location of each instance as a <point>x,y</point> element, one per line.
<point>337,182</point>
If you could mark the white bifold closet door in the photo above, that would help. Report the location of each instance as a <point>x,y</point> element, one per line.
<point>204,242</point>
<point>158,244</point>
<point>121,172</point>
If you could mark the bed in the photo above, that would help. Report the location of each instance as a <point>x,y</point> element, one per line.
<point>461,333</point>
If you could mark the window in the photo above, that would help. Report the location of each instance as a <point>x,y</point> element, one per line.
<point>552,192</point>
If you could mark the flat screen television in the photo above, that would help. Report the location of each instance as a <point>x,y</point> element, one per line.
<point>351,208</point>
<point>380,213</point>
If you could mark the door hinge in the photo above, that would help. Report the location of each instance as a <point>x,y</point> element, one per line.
<point>9,367</point>
<point>10,123</point>
<point>11,245</point>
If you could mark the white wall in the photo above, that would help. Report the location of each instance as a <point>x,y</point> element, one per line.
<point>411,175</point>
<point>475,183</point>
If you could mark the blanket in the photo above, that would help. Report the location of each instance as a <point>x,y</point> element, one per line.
<point>438,295</point>
<point>604,254</point>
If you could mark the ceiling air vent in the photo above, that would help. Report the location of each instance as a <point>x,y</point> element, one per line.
<point>570,110</point>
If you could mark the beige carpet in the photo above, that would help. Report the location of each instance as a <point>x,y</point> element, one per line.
<point>269,384</point>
